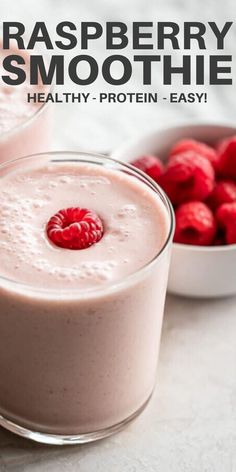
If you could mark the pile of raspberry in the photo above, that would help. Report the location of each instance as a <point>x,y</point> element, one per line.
<point>200,181</point>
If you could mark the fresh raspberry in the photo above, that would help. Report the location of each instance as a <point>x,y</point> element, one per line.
<point>224,192</point>
<point>197,147</point>
<point>151,165</point>
<point>195,224</point>
<point>226,218</point>
<point>75,228</point>
<point>188,176</point>
<point>227,158</point>
<point>219,239</point>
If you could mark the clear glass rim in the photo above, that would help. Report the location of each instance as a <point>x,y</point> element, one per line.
<point>17,128</point>
<point>77,156</point>
<point>25,123</point>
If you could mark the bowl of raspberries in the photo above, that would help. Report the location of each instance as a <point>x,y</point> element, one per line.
<point>196,166</point>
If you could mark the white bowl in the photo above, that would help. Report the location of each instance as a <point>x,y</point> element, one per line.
<point>195,271</point>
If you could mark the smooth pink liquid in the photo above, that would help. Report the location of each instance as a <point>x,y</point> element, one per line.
<point>79,347</point>
<point>24,127</point>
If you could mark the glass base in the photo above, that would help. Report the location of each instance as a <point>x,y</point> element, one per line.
<point>61,440</point>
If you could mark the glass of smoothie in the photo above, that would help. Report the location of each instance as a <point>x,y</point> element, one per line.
<point>85,247</point>
<point>25,127</point>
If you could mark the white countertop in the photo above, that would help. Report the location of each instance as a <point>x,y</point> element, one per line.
<point>190,423</point>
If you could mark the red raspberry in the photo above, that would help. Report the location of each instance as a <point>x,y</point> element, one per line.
<point>188,176</point>
<point>227,157</point>
<point>151,165</point>
<point>75,228</point>
<point>195,224</point>
<point>197,147</point>
<point>219,239</point>
<point>226,217</point>
<point>224,192</point>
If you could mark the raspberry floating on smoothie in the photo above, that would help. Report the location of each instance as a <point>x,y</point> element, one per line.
<point>75,228</point>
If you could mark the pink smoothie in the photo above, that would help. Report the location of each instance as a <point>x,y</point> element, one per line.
<point>79,329</point>
<point>24,127</point>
